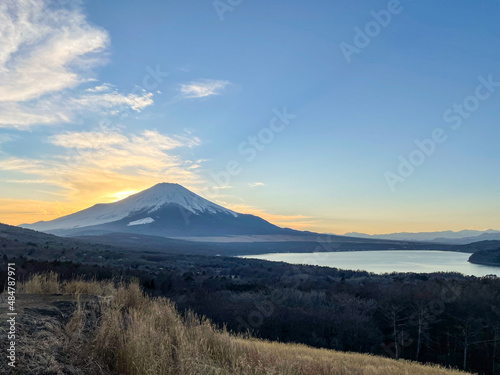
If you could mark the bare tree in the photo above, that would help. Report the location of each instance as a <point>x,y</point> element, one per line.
<point>468,330</point>
<point>421,318</point>
<point>393,316</point>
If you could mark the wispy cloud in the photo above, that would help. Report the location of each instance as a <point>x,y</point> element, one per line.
<point>110,100</point>
<point>147,142</point>
<point>101,88</point>
<point>46,54</point>
<point>24,115</point>
<point>95,166</point>
<point>203,88</point>
<point>44,50</point>
<point>256,184</point>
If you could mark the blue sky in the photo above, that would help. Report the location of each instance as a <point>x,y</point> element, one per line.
<point>83,119</point>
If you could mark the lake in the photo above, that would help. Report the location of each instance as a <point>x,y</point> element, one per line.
<point>419,261</point>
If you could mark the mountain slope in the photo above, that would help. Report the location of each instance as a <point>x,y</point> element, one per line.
<point>163,210</point>
<point>145,202</point>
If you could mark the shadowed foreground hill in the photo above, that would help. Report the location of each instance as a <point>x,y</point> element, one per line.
<point>126,332</point>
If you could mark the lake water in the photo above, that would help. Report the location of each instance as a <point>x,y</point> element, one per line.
<point>419,261</point>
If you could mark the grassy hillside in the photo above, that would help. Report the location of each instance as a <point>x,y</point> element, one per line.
<point>318,306</point>
<point>130,333</point>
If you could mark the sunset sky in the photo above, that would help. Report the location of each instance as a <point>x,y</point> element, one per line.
<point>330,116</point>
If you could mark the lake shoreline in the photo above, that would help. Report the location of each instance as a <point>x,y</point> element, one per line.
<point>388,261</point>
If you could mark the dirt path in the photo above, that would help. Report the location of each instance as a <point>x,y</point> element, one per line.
<point>41,340</point>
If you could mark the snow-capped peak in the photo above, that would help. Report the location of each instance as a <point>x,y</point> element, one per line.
<point>165,193</point>
<point>146,201</point>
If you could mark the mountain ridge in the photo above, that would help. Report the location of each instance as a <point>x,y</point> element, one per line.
<point>455,237</point>
<point>147,201</point>
<point>165,209</point>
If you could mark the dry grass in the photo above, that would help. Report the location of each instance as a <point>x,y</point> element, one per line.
<point>49,283</point>
<point>139,335</point>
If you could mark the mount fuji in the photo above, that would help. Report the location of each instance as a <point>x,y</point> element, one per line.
<point>166,210</point>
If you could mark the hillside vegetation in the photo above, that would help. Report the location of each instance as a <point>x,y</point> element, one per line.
<point>442,318</point>
<point>487,257</point>
<point>127,332</point>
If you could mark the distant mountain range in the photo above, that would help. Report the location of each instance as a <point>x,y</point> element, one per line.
<point>460,238</point>
<point>171,211</point>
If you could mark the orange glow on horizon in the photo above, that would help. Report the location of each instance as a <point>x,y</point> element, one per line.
<point>123,194</point>
<point>21,211</point>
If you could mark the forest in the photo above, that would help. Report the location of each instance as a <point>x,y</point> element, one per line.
<point>441,318</point>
